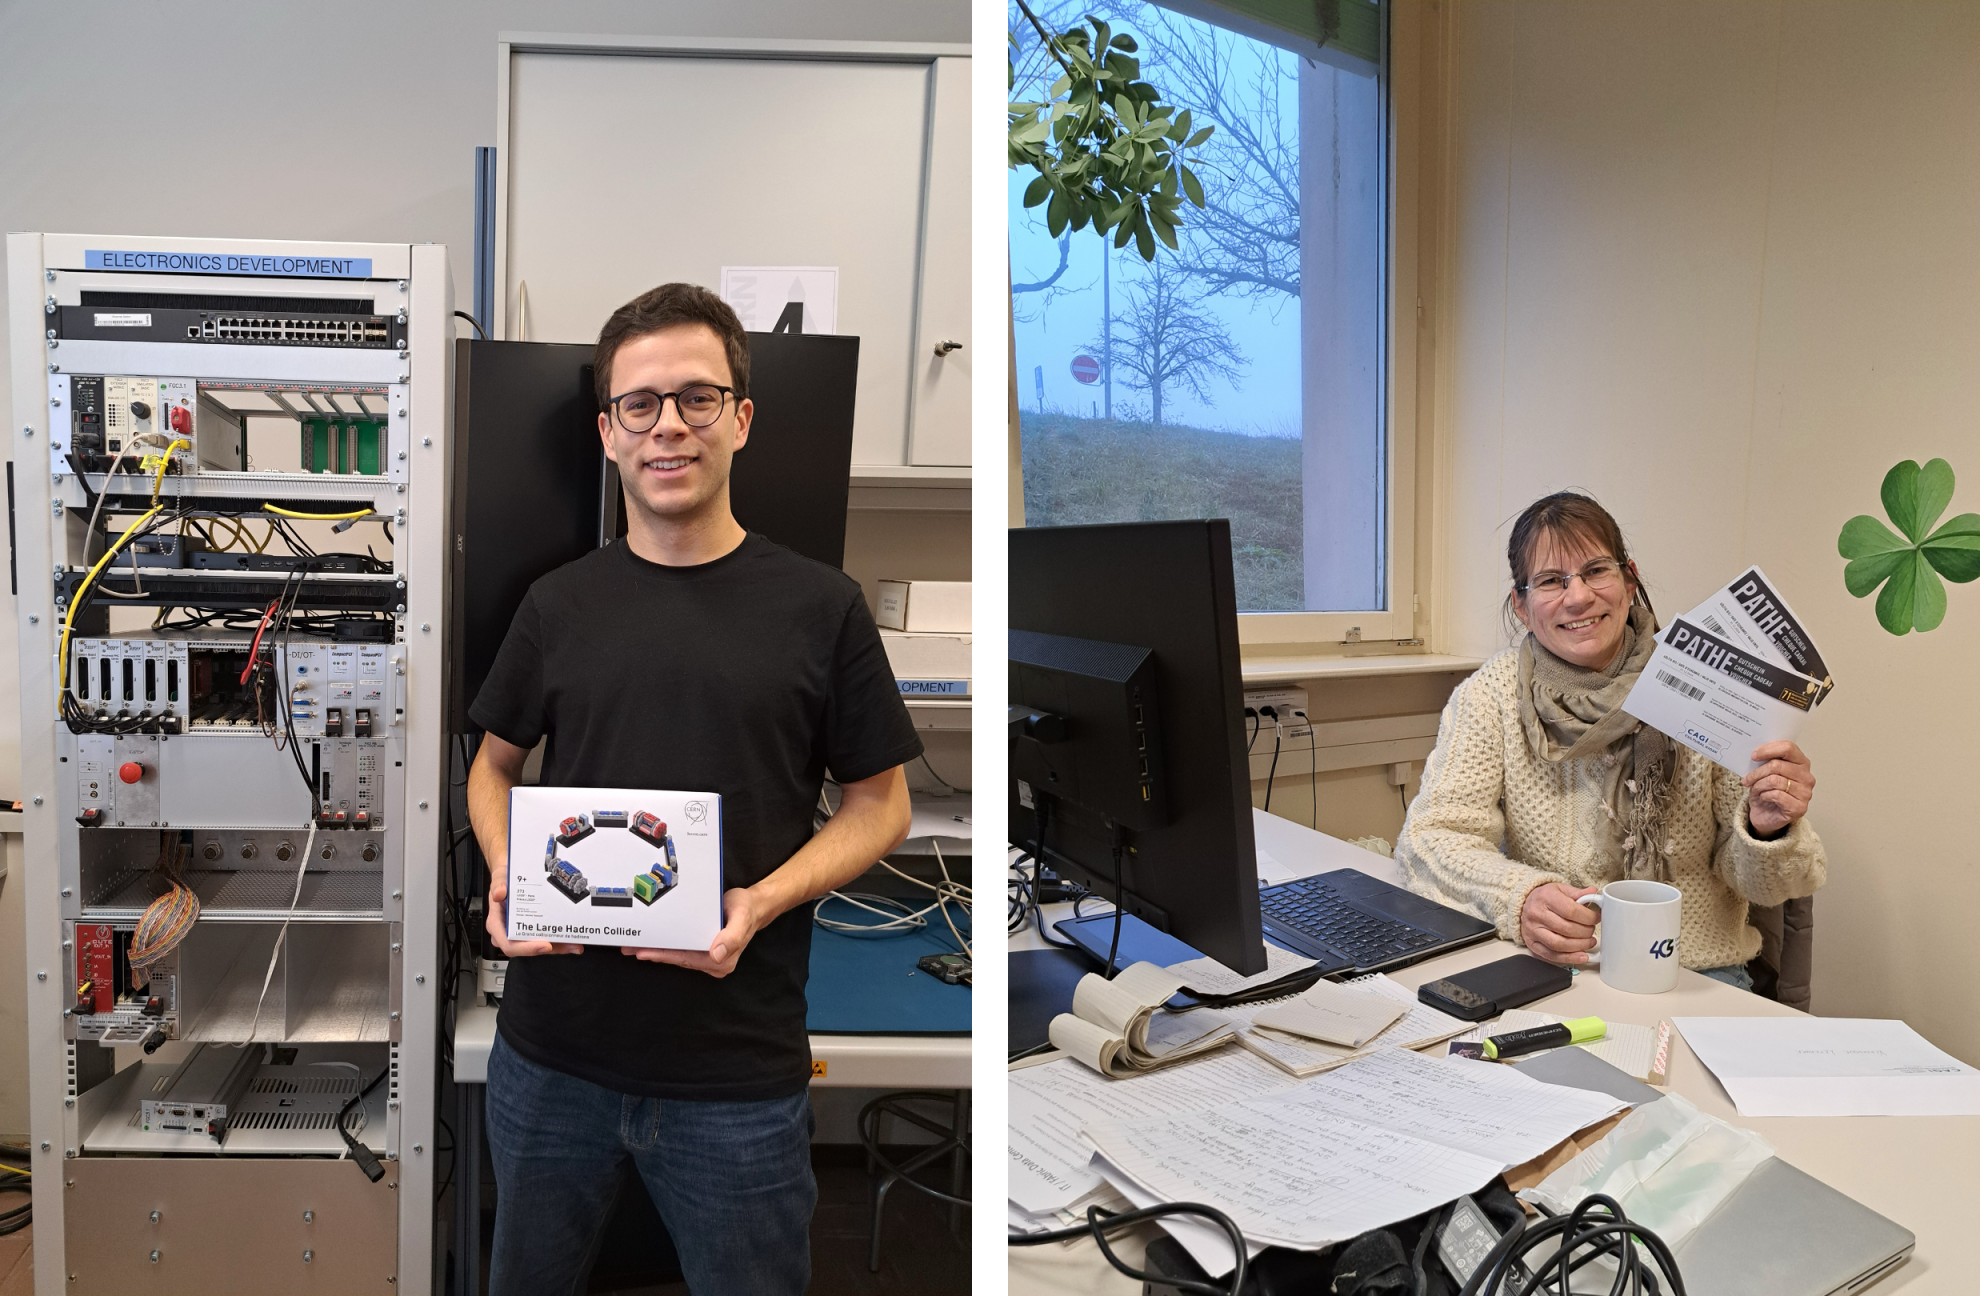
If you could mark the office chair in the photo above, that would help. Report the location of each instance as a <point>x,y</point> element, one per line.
<point>1782,970</point>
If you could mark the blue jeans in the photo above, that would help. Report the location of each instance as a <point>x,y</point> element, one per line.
<point>733,1181</point>
<point>1735,974</point>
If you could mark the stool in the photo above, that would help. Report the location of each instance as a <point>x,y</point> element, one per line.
<point>954,1143</point>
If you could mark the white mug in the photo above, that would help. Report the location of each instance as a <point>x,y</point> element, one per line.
<point>1640,926</point>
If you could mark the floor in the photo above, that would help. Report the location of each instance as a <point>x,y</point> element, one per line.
<point>17,1259</point>
<point>921,1255</point>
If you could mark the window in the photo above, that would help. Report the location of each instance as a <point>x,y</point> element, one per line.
<point>1245,375</point>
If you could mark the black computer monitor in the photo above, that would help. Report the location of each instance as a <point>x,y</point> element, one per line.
<point>1124,683</point>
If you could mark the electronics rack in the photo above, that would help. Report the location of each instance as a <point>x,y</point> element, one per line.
<point>290,746</point>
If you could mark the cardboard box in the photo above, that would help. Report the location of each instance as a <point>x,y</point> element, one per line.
<point>615,866</point>
<point>942,606</point>
<point>928,656</point>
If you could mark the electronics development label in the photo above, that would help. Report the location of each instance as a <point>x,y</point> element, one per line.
<point>614,866</point>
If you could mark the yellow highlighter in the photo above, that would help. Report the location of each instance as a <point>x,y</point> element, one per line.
<point>1580,1030</point>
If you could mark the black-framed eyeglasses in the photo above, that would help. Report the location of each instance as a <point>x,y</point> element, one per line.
<point>697,405</point>
<point>1598,575</point>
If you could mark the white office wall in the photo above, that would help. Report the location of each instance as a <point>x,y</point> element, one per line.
<point>208,118</point>
<point>1717,264</point>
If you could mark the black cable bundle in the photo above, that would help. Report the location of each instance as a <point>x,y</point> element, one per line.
<point>15,1177</point>
<point>1596,1227</point>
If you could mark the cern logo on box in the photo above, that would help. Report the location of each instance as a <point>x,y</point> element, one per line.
<point>697,811</point>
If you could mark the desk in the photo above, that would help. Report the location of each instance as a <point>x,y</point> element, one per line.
<point>1920,1172</point>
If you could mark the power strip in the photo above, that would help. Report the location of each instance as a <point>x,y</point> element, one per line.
<point>1286,702</point>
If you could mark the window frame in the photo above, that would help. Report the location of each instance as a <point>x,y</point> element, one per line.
<point>1397,623</point>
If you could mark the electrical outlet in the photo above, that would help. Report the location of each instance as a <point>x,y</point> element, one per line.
<point>1286,702</point>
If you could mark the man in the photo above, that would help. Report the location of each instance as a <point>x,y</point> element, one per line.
<point>691,655</point>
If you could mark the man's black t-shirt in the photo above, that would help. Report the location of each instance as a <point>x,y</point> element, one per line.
<point>751,677</point>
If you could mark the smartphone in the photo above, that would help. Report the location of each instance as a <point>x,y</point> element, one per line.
<point>1493,988</point>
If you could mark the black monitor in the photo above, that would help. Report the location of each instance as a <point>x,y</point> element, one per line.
<point>1127,714</point>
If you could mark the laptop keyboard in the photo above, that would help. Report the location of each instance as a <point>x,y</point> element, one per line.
<point>1312,908</point>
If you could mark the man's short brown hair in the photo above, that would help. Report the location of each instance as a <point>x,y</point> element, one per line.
<point>666,307</point>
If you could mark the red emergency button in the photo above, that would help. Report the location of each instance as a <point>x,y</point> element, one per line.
<point>130,771</point>
<point>181,419</point>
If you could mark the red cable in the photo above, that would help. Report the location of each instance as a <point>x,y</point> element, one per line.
<point>255,649</point>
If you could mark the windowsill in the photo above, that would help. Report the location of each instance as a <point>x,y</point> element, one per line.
<point>1271,668</point>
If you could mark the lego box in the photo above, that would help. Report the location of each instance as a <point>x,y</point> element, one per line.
<point>613,866</point>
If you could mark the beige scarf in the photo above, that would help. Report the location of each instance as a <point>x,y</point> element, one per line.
<point>1569,713</point>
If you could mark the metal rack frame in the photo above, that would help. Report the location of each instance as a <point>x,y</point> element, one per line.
<point>370,995</point>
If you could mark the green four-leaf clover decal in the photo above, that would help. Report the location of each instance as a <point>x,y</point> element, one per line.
<point>1914,497</point>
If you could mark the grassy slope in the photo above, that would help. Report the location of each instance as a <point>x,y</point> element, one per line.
<point>1099,470</point>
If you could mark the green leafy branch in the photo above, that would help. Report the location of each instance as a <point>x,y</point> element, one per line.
<point>1914,497</point>
<point>1109,154</point>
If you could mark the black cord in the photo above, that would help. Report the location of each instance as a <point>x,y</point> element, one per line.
<point>1596,1223</point>
<point>1255,732</point>
<point>476,322</point>
<point>359,1152</point>
<point>1269,797</point>
<point>1102,1222</point>
<point>1310,726</point>
<point>1401,800</point>
<point>1040,818</point>
<point>1116,883</point>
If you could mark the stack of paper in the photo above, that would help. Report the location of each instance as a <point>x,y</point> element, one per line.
<point>1116,1027</point>
<point>1382,1139</point>
<point>1048,1171</point>
<point>1418,1027</point>
<point>1830,1066</point>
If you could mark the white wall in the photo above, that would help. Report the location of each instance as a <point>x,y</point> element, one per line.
<point>1717,264</point>
<point>207,118</point>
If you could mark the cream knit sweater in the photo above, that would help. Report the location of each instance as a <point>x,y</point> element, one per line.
<point>1492,821</point>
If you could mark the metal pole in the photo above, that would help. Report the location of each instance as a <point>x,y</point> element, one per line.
<point>485,238</point>
<point>1108,344</point>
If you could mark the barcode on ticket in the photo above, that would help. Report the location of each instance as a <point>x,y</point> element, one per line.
<point>1680,685</point>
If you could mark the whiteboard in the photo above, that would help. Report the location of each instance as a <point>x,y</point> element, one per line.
<point>630,169</point>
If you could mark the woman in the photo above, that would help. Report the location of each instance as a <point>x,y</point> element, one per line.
<point>1540,789</point>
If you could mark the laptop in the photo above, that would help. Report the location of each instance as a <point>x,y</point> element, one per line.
<point>1785,1233</point>
<point>1346,921</point>
<point>1349,918</point>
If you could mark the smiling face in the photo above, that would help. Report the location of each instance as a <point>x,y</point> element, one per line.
<point>1583,626</point>
<point>675,477</point>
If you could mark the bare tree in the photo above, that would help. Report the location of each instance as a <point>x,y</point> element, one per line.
<point>1248,241</point>
<point>1164,338</point>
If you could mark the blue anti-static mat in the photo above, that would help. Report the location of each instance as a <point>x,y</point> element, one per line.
<point>870,985</point>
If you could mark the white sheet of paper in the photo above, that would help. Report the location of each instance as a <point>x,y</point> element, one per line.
<point>1203,1240</point>
<point>1048,1168</point>
<point>759,295</point>
<point>1830,1066</point>
<point>1697,702</point>
<point>1333,1013</point>
<point>1271,871</point>
<point>1384,1138</point>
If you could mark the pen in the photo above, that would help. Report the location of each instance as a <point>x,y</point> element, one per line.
<point>1516,1043</point>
